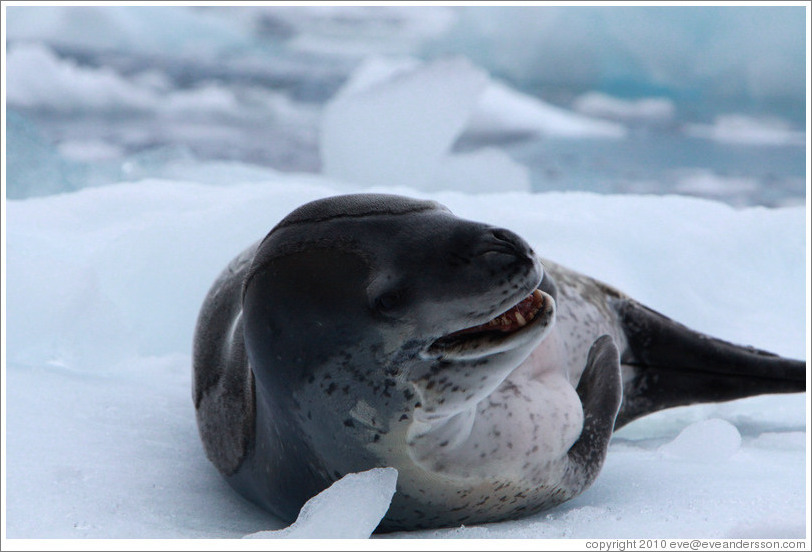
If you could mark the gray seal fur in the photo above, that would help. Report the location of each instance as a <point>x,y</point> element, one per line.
<point>365,331</point>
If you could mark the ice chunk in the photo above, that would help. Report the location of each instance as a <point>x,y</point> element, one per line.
<point>705,441</point>
<point>357,30</point>
<point>376,70</point>
<point>38,78</point>
<point>207,99</point>
<point>707,183</point>
<point>351,508</point>
<point>642,110</point>
<point>502,110</point>
<point>746,130</point>
<point>89,150</point>
<point>395,131</point>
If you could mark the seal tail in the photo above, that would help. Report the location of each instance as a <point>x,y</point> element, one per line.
<point>668,364</point>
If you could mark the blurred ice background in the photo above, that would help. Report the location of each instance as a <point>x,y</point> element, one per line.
<point>146,146</point>
<point>703,101</point>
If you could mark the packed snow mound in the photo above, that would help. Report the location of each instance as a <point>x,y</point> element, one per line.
<point>711,440</point>
<point>350,508</point>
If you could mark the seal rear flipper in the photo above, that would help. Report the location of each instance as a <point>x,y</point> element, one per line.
<point>671,365</point>
<point>600,390</point>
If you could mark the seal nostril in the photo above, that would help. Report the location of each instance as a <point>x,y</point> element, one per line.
<point>498,240</point>
<point>504,236</point>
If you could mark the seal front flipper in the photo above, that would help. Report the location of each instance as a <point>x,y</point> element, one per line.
<point>600,390</point>
<point>667,364</point>
<point>223,386</point>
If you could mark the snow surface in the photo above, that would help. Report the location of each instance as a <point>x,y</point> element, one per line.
<point>104,285</point>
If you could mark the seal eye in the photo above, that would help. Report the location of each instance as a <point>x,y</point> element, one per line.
<point>389,301</point>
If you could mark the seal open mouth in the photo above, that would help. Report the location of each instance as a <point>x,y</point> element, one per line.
<point>518,316</point>
<point>498,330</point>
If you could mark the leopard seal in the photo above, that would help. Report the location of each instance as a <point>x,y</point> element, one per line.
<point>374,330</point>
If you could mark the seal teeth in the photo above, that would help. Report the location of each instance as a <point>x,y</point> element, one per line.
<point>520,319</point>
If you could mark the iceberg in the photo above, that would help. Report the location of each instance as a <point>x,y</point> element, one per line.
<point>147,29</point>
<point>395,121</point>
<point>396,130</point>
<point>34,168</point>
<point>753,52</point>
